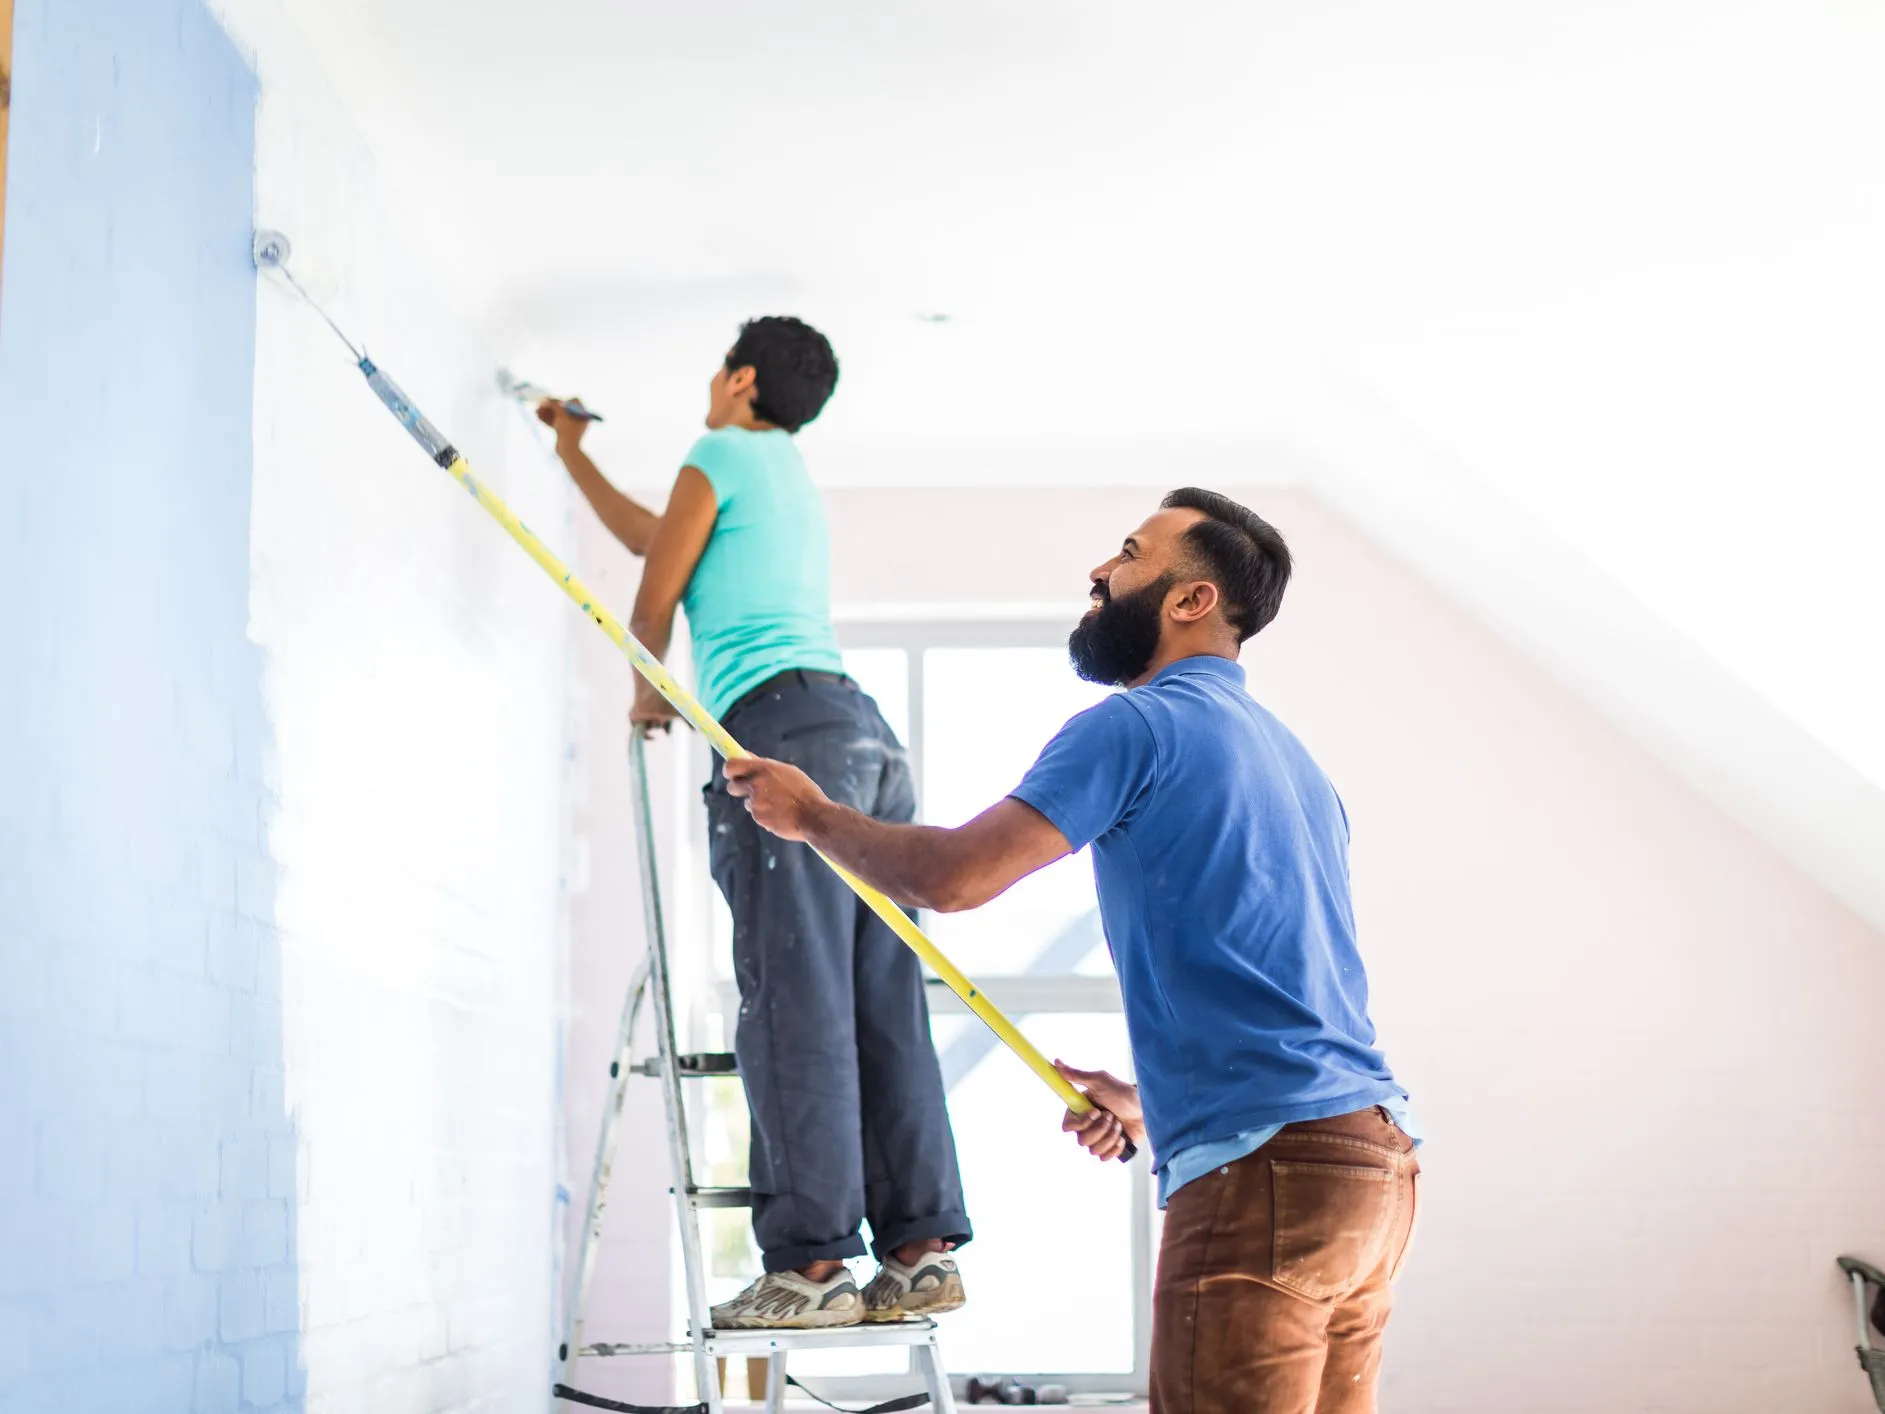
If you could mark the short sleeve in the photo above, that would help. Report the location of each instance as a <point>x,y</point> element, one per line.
<point>1087,779</point>
<point>717,460</point>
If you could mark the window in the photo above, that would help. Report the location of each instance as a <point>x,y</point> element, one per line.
<point>987,713</point>
<point>974,702</point>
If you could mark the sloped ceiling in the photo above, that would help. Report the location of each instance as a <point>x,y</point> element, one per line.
<point>1580,308</point>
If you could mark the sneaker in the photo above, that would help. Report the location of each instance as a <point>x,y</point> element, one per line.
<point>928,1288</point>
<point>788,1301</point>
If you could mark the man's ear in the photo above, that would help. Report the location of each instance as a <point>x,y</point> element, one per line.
<point>740,381</point>
<point>1195,601</point>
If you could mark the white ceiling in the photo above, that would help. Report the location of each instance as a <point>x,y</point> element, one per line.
<point>1128,213</point>
<point>1618,264</point>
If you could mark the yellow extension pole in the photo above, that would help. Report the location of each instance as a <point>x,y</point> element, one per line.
<point>446,456</point>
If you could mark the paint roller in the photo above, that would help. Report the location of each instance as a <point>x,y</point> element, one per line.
<point>271,251</point>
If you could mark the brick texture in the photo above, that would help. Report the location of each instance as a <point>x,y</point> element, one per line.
<point>136,1242</point>
<point>282,742</point>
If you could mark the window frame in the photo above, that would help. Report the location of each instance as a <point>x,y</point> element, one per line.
<point>1038,994</point>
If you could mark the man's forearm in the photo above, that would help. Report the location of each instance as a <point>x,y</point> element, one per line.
<point>625,518</point>
<point>920,865</point>
<point>914,864</point>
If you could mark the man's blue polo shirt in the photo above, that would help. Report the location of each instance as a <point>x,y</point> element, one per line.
<point>1220,852</point>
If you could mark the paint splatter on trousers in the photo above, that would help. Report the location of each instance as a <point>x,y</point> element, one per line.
<point>849,1123</point>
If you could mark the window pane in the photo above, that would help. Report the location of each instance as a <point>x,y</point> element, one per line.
<point>987,712</point>
<point>1048,1216</point>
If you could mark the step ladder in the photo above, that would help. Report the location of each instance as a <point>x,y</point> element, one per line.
<point>672,1069</point>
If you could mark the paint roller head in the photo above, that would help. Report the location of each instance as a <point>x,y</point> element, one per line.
<point>273,253</point>
<point>270,249</point>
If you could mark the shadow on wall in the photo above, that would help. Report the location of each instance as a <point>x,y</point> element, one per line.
<point>147,1162</point>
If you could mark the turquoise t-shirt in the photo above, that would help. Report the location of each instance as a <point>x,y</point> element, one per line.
<point>760,599</point>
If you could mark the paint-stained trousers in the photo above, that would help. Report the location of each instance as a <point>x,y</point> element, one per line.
<point>848,1119</point>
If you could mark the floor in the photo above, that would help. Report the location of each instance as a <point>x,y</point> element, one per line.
<point>799,1406</point>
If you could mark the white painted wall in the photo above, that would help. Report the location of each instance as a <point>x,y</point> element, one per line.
<point>1741,747</point>
<point>1645,1045</point>
<point>417,670</point>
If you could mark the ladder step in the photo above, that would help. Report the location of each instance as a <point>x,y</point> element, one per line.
<point>695,1063</point>
<point>917,1332</point>
<point>720,1197</point>
<point>839,1338</point>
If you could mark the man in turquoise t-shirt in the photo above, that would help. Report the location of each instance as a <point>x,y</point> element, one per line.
<point>833,1040</point>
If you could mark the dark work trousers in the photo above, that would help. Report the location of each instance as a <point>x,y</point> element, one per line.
<point>834,1048</point>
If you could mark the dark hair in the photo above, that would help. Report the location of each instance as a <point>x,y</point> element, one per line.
<point>1238,551</point>
<point>794,369</point>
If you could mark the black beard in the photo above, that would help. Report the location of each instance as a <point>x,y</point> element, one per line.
<point>1116,644</point>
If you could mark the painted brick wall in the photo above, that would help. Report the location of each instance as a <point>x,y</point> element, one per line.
<point>284,769</point>
<point>415,674</point>
<point>147,1159</point>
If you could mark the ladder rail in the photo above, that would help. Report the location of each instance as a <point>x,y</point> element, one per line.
<point>607,1140</point>
<point>673,1101</point>
<point>653,982</point>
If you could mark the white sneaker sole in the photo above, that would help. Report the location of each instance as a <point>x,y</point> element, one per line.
<point>921,1305</point>
<point>810,1321</point>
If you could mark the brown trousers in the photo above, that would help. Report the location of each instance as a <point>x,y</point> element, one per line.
<point>1273,1278</point>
